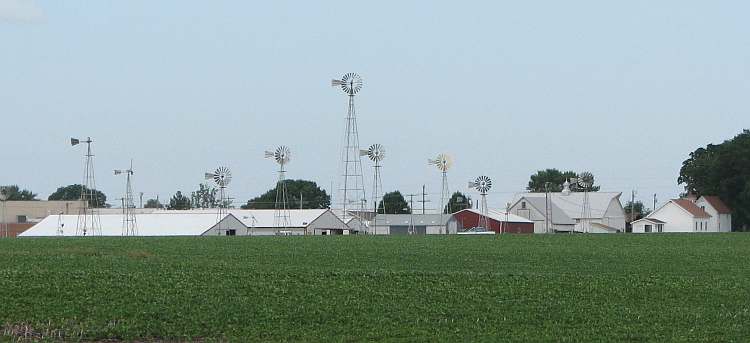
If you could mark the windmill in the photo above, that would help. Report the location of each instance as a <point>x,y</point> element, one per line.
<point>129,223</point>
<point>222,176</point>
<point>443,162</point>
<point>482,184</point>
<point>88,222</point>
<point>585,181</point>
<point>375,153</point>
<point>352,188</point>
<point>281,155</point>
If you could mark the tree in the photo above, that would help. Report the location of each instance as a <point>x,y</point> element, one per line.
<point>312,196</point>
<point>153,203</point>
<point>179,202</point>
<point>722,170</point>
<point>635,210</point>
<point>554,180</point>
<point>205,197</point>
<point>16,194</point>
<point>394,204</point>
<point>457,202</point>
<point>73,192</point>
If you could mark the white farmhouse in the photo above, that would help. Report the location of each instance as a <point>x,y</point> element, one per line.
<point>677,215</point>
<point>721,215</point>
<point>594,212</point>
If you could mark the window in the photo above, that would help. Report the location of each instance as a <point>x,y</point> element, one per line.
<point>647,228</point>
<point>231,232</point>
<point>696,226</point>
<point>523,205</point>
<point>659,227</point>
<point>21,219</point>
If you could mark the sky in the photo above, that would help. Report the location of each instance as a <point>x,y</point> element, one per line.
<point>625,90</point>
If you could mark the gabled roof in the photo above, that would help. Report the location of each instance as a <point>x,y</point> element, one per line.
<point>165,223</point>
<point>298,218</point>
<point>559,216</point>
<point>500,216</point>
<point>717,204</point>
<point>692,208</point>
<point>652,220</point>
<point>431,219</point>
<point>572,204</point>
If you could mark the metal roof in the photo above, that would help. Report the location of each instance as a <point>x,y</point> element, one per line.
<point>500,216</point>
<point>559,216</point>
<point>405,219</point>
<point>572,203</point>
<point>298,218</point>
<point>165,223</point>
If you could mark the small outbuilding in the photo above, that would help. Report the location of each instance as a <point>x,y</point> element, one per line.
<point>498,221</point>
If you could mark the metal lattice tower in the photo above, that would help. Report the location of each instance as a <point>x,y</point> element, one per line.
<point>443,162</point>
<point>376,153</point>
<point>351,188</point>
<point>222,176</point>
<point>89,223</point>
<point>129,223</point>
<point>483,185</point>
<point>281,215</point>
<point>585,181</point>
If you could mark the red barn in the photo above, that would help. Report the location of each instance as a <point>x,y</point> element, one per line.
<point>496,220</point>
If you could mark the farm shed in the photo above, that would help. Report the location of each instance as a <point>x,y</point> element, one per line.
<point>497,221</point>
<point>301,222</point>
<point>164,223</point>
<point>400,224</point>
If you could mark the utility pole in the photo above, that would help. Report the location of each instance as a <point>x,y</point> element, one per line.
<point>547,214</point>
<point>632,205</point>
<point>411,213</point>
<point>300,199</point>
<point>423,201</point>
<point>654,208</point>
<point>141,196</point>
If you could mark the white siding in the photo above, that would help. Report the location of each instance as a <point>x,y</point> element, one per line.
<point>675,217</point>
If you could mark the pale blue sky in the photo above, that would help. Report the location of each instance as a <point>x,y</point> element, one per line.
<point>625,90</point>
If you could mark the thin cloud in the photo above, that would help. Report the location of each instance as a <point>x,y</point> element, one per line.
<point>20,11</point>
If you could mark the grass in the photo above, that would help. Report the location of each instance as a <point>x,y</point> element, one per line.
<point>517,288</point>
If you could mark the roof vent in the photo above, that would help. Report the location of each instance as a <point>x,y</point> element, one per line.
<point>566,188</point>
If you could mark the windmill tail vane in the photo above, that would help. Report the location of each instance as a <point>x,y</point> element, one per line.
<point>269,154</point>
<point>364,152</point>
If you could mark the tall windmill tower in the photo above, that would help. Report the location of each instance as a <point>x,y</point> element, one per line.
<point>482,184</point>
<point>443,162</point>
<point>88,223</point>
<point>584,181</point>
<point>352,188</point>
<point>222,176</point>
<point>129,223</point>
<point>281,219</point>
<point>376,153</point>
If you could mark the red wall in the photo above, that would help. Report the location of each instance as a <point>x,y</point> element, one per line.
<point>468,219</point>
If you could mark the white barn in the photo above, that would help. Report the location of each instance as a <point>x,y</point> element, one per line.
<point>566,211</point>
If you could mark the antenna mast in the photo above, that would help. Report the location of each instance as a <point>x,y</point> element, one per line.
<point>281,215</point>
<point>129,223</point>
<point>352,188</point>
<point>89,222</point>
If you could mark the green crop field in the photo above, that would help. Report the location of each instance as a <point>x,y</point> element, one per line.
<point>540,288</point>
